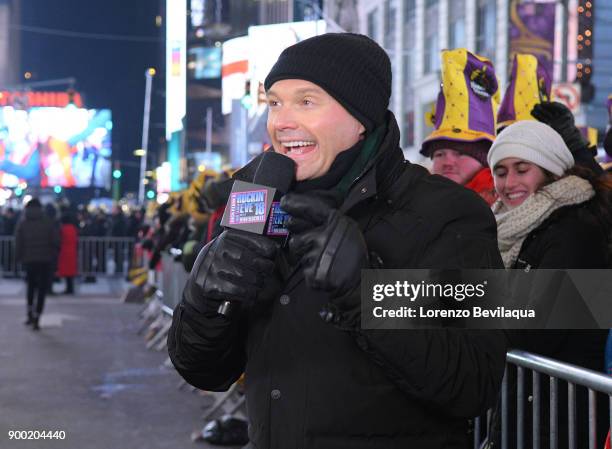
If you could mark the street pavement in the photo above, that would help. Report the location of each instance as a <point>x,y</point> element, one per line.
<point>88,373</point>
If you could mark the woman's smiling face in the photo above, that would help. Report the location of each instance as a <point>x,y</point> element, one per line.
<point>516,179</point>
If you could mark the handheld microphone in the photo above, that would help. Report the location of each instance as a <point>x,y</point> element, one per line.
<point>254,206</point>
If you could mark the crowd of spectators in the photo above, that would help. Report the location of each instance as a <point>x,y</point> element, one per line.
<point>90,223</point>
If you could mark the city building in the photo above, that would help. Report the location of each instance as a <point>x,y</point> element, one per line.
<point>601,66</point>
<point>9,42</point>
<point>208,133</point>
<point>283,11</point>
<point>414,31</point>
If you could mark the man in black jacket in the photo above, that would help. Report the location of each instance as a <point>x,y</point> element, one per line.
<point>314,377</point>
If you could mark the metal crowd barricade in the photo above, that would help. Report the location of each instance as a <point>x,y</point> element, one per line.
<point>8,263</point>
<point>556,371</point>
<point>97,256</point>
<point>156,317</point>
<point>173,280</point>
<point>105,255</point>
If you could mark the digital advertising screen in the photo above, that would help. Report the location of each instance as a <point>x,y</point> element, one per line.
<point>204,63</point>
<point>176,66</point>
<point>48,147</point>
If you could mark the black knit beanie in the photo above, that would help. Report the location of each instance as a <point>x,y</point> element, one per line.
<point>352,68</point>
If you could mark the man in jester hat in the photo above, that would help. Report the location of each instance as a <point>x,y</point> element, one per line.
<point>464,122</point>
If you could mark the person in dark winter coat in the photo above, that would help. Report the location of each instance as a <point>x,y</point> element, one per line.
<point>9,221</point>
<point>68,259</point>
<point>118,225</point>
<point>552,214</point>
<point>134,222</point>
<point>37,243</point>
<point>314,377</point>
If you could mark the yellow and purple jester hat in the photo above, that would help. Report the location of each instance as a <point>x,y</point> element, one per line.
<point>466,108</point>
<point>529,85</point>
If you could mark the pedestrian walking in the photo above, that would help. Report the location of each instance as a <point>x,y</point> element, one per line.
<point>67,260</point>
<point>37,242</point>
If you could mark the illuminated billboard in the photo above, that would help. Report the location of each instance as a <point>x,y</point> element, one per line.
<point>25,100</point>
<point>48,147</point>
<point>198,10</point>
<point>250,58</point>
<point>176,65</point>
<point>163,174</point>
<point>268,41</point>
<point>176,84</point>
<point>204,63</point>
<point>235,57</point>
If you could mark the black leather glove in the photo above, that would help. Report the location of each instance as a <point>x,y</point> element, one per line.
<point>559,117</point>
<point>329,244</point>
<point>232,267</point>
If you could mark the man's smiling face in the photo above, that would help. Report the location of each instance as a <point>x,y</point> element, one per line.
<point>308,125</point>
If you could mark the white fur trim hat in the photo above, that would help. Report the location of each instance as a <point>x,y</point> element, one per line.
<point>535,142</point>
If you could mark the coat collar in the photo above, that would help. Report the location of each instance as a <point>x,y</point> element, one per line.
<point>376,179</point>
<point>381,172</point>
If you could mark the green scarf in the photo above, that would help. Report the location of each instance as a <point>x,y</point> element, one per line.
<point>368,151</point>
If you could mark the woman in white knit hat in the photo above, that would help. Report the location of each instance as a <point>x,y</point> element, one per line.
<point>551,214</point>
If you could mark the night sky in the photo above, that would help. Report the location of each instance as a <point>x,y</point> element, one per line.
<point>109,74</point>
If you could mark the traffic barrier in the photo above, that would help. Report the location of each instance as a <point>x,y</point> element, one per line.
<point>573,376</point>
<point>96,256</point>
<point>99,256</point>
<point>8,263</point>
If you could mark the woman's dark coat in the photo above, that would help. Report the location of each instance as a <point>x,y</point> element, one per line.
<point>573,238</point>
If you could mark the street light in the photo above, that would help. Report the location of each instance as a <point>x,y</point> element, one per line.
<point>149,74</point>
